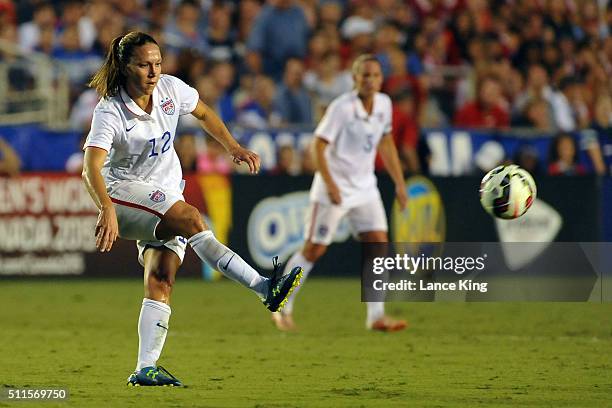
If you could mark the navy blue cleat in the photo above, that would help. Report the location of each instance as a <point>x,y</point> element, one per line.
<point>281,286</point>
<point>153,376</point>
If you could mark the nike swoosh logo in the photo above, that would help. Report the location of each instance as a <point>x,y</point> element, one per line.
<point>128,129</point>
<point>228,262</point>
<point>163,327</point>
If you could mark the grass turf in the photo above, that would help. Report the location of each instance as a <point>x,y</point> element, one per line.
<point>221,344</point>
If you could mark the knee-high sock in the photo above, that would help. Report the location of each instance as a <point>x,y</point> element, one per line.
<point>227,262</point>
<point>152,330</point>
<point>375,311</point>
<point>296,260</point>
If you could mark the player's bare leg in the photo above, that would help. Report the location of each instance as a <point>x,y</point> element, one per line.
<point>376,318</point>
<point>306,257</point>
<point>160,265</point>
<point>185,220</point>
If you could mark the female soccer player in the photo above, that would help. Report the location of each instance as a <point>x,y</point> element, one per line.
<point>133,175</point>
<point>355,126</point>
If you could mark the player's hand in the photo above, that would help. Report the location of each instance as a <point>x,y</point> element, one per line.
<point>107,229</point>
<point>240,154</point>
<point>334,193</point>
<point>401,196</point>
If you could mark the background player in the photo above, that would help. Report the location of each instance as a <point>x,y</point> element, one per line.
<point>355,126</point>
<point>133,175</point>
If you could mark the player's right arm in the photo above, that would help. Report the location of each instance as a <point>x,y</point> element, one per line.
<point>107,228</point>
<point>333,191</point>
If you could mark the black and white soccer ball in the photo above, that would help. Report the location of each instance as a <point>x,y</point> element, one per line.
<point>507,191</point>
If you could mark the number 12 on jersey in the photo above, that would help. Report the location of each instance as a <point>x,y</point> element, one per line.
<point>166,138</point>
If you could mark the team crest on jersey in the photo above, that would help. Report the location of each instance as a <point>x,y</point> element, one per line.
<point>157,196</point>
<point>167,105</point>
<point>323,229</point>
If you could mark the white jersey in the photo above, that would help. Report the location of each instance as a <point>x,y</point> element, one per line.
<point>353,138</point>
<point>141,145</point>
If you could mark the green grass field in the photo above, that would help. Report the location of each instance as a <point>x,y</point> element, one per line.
<point>222,345</point>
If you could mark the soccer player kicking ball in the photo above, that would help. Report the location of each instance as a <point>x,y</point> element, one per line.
<point>355,126</point>
<point>133,175</point>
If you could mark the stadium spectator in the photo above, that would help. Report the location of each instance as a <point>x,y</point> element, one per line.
<point>79,64</point>
<point>259,111</point>
<point>569,108</point>
<point>220,36</point>
<point>537,87</point>
<point>400,79</point>
<point>330,14</point>
<point>223,73</point>
<point>406,129</point>
<point>10,164</point>
<point>327,82</point>
<point>209,89</point>
<point>317,47</point>
<point>44,18</point>
<point>597,140</point>
<point>279,33</point>
<point>187,152</point>
<point>487,110</point>
<point>8,13</point>
<point>73,15</point>
<point>386,38</point>
<point>183,33</point>
<point>357,31</point>
<point>536,114</point>
<point>190,65</point>
<point>114,26</point>
<point>563,157</point>
<point>214,159</point>
<point>248,10</point>
<point>292,101</point>
<point>46,40</point>
<point>287,162</point>
<point>528,158</point>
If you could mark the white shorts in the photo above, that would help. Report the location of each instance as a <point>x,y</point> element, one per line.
<point>323,219</point>
<point>139,207</point>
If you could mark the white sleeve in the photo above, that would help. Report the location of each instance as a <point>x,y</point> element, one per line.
<point>104,127</point>
<point>188,97</point>
<point>388,127</point>
<point>331,124</point>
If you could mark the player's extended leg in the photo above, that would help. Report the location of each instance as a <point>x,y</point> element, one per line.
<point>376,318</point>
<point>306,257</point>
<point>185,220</point>
<point>160,266</point>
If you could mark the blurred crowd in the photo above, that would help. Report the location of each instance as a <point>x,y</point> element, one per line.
<point>540,64</point>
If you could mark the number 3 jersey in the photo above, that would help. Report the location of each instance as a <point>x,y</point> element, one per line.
<point>353,138</point>
<point>140,146</point>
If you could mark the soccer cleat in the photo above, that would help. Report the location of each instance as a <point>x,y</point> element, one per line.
<point>283,322</point>
<point>153,376</point>
<point>388,324</point>
<point>281,286</point>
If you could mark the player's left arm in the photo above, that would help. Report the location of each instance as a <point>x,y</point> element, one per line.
<point>390,158</point>
<point>215,127</point>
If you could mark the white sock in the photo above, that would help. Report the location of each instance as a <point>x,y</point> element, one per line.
<point>376,310</point>
<point>227,262</point>
<point>152,330</point>
<point>296,260</point>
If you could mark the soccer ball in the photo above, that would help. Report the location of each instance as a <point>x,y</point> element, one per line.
<point>507,191</point>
